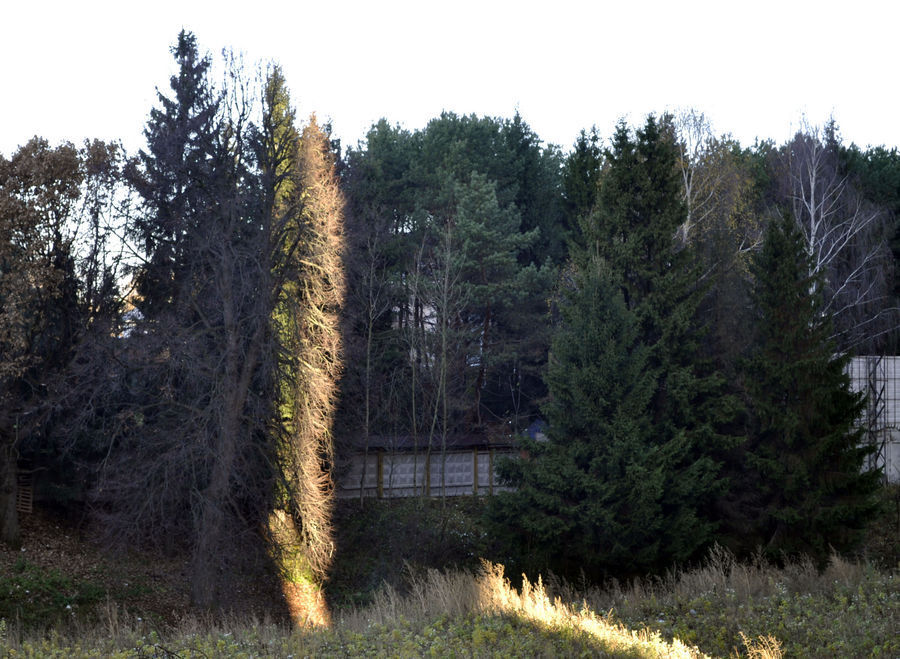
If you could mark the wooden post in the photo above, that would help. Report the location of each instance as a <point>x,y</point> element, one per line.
<point>380,474</point>
<point>491,478</point>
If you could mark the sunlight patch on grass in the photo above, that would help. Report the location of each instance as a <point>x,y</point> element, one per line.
<point>460,594</point>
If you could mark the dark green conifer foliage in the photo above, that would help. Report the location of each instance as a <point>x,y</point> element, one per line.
<point>581,177</point>
<point>631,472</point>
<point>590,498</point>
<point>804,454</point>
<point>175,174</point>
<point>493,185</point>
<point>638,211</point>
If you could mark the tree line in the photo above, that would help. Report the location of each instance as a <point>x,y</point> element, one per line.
<point>196,338</point>
<point>669,301</point>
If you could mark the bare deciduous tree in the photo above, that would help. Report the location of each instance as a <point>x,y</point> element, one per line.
<point>191,464</point>
<point>845,237</point>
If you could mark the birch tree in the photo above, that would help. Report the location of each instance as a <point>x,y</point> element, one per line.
<point>844,236</point>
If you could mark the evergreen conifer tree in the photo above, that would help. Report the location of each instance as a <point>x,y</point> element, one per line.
<point>804,455</point>
<point>636,415</point>
<point>590,497</point>
<point>174,176</point>
<point>581,175</point>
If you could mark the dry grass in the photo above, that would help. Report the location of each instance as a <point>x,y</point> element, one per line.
<point>460,594</point>
<point>750,610</point>
<point>721,574</point>
<point>764,647</point>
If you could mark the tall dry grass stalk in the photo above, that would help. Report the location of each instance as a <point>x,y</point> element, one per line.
<point>763,647</point>
<point>721,573</point>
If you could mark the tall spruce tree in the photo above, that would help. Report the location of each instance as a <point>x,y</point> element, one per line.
<point>804,455</point>
<point>581,177</point>
<point>638,212</point>
<point>634,401</point>
<point>174,176</point>
<point>193,466</point>
<point>590,497</point>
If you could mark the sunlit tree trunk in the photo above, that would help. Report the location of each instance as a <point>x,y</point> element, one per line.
<point>308,328</point>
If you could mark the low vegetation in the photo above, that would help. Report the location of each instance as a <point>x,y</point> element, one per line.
<point>723,608</point>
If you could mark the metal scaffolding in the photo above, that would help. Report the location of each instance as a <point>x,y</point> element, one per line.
<point>879,377</point>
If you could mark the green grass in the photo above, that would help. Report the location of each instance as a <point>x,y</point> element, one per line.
<point>37,598</point>
<point>849,610</point>
<point>469,637</point>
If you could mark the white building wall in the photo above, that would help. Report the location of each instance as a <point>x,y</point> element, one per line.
<point>880,378</point>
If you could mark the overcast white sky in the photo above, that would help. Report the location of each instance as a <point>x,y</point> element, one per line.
<point>72,70</point>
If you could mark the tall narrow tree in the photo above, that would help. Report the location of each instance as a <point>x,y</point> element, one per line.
<point>310,263</point>
<point>805,452</point>
<point>193,467</point>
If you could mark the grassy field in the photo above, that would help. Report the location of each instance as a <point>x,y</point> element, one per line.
<point>722,608</point>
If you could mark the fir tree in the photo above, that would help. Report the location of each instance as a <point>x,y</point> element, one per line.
<point>631,472</point>
<point>632,228</point>
<point>590,498</point>
<point>805,453</point>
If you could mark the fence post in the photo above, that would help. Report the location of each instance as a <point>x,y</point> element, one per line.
<point>380,474</point>
<point>491,467</point>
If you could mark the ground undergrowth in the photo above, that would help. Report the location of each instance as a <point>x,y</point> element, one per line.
<point>425,592</point>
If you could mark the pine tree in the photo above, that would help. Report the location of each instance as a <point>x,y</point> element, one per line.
<point>805,452</point>
<point>491,278</point>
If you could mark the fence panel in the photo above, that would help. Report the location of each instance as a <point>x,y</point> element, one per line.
<point>404,474</point>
